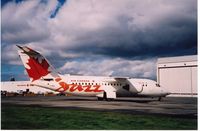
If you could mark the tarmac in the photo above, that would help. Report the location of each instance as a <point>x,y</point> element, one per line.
<point>170,106</point>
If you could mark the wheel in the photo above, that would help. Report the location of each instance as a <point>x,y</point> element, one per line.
<point>105,96</point>
<point>160,98</point>
<point>110,99</point>
<point>100,98</point>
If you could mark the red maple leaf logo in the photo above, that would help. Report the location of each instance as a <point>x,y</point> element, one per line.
<point>37,69</point>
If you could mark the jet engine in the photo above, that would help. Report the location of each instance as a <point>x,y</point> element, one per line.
<point>133,86</point>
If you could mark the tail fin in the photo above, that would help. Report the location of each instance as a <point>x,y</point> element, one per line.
<point>35,64</point>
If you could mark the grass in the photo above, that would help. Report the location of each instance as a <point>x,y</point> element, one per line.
<point>18,117</point>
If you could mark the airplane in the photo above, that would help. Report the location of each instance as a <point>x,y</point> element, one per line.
<point>43,74</point>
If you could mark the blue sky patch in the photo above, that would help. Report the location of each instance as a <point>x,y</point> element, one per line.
<point>59,5</point>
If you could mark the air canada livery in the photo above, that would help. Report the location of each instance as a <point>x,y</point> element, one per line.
<point>42,74</point>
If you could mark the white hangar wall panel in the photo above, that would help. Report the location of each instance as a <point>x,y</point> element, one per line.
<point>194,79</point>
<point>178,75</point>
<point>176,79</point>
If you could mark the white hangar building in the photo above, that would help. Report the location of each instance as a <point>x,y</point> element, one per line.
<point>178,75</point>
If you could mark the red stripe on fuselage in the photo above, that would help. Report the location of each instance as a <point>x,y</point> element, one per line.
<point>76,88</point>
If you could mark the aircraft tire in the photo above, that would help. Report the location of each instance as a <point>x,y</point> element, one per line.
<point>160,98</point>
<point>110,99</point>
<point>100,98</point>
<point>105,96</point>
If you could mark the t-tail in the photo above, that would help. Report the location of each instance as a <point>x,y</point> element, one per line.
<point>36,64</point>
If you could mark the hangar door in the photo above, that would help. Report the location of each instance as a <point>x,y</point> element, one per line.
<point>179,80</point>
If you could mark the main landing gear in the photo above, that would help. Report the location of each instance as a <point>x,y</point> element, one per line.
<point>104,97</point>
<point>160,98</point>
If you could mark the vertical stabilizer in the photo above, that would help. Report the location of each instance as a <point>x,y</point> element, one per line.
<point>36,64</point>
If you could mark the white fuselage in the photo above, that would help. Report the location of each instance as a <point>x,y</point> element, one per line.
<point>96,85</point>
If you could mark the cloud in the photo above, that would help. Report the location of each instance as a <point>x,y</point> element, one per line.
<point>127,30</point>
<point>95,33</point>
<point>112,67</point>
<point>8,57</point>
<point>23,22</point>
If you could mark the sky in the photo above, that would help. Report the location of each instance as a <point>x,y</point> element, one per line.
<point>120,38</point>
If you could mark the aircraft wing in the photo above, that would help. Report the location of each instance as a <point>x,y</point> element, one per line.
<point>121,79</point>
<point>116,79</point>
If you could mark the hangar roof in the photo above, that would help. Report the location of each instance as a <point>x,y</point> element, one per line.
<point>188,58</point>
